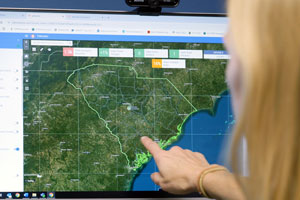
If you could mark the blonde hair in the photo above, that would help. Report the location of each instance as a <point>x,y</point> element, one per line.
<point>266,35</point>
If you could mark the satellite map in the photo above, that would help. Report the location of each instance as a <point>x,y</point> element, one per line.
<point>84,115</point>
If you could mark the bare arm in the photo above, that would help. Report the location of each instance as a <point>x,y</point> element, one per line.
<point>179,172</point>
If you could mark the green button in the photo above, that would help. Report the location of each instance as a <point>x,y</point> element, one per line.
<point>103,52</point>
<point>139,53</point>
<point>174,53</point>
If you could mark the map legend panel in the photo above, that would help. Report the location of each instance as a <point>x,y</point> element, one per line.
<point>80,52</point>
<point>116,53</point>
<point>189,54</point>
<point>156,53</point>
<point>169,63</point>
<point>173,64</point>
<point>120,53</point>
<point>216,55</point>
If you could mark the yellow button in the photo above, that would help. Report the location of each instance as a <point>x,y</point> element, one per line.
<point>156,63</point>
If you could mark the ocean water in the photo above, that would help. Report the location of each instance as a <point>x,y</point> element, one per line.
<point>203,133</point>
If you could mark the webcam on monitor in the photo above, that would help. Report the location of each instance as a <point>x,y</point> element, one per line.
<point>153,7</point>
<point>153,3</point>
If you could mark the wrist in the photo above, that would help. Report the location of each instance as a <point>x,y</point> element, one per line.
<point>211,176</point>
<point>214,183</point>
<point>195,177</point>
<point>222,185</point>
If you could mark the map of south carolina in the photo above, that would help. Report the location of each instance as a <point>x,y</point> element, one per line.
<point>84,116</point>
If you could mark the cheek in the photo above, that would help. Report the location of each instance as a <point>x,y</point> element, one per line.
<point>232,70</point>
<point>233,75</point>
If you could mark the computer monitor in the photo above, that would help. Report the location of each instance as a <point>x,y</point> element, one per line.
<point>78,89</point>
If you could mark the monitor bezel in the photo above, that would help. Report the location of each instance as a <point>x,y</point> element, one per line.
<point>113,194</point>
<point>120,12</point>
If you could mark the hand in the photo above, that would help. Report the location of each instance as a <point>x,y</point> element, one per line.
<point>179,169</point>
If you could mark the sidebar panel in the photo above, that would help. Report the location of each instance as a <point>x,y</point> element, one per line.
<point>11,120</point>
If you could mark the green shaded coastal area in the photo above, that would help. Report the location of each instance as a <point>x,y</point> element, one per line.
<point>83,117</point>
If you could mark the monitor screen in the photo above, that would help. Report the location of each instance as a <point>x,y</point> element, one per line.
<point>79,89</point>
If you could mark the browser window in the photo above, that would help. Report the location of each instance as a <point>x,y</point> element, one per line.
<point>77,91</point>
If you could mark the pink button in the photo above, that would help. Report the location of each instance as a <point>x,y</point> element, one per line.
<point>68,52</point>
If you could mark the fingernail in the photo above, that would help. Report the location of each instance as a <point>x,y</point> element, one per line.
<point>144,137</point>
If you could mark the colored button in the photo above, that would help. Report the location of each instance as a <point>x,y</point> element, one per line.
<point>156,63</point>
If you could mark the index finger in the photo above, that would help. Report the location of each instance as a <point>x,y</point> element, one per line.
<point>151,146</point>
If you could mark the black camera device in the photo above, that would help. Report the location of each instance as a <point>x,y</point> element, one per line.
<point>153,3</point>
<point>152,6</point>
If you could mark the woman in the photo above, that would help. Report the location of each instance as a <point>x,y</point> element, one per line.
<point>264,78</point>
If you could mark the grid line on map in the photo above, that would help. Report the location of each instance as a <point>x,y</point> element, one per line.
<point>78,128</point>
<point>127,95</point>
<point>39,123</point>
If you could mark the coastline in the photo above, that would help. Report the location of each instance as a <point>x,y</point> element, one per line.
<point>180,133</point>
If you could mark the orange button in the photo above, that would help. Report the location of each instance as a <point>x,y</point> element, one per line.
<point>156,63</point>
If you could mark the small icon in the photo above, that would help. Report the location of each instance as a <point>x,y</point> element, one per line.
<point>26,44</point>
<point>148,31</point>
<point>33,29</point>
<point>26,195</point>
<point>41,49</point>
<point>26,56</point>
<point>26,80</point>
<point>43,195</point>
<point>9,196</point>
<point>26,64</point>
<point>32,36</point>
<point>26,88</point>
<point>34,195</point>
<point>18,195</point>
<point>49,49</point>
<point>123,31</point>
<point>17,149</point>
<point>51,195</point>
<point>1,195</point>
<point>34,49</point>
